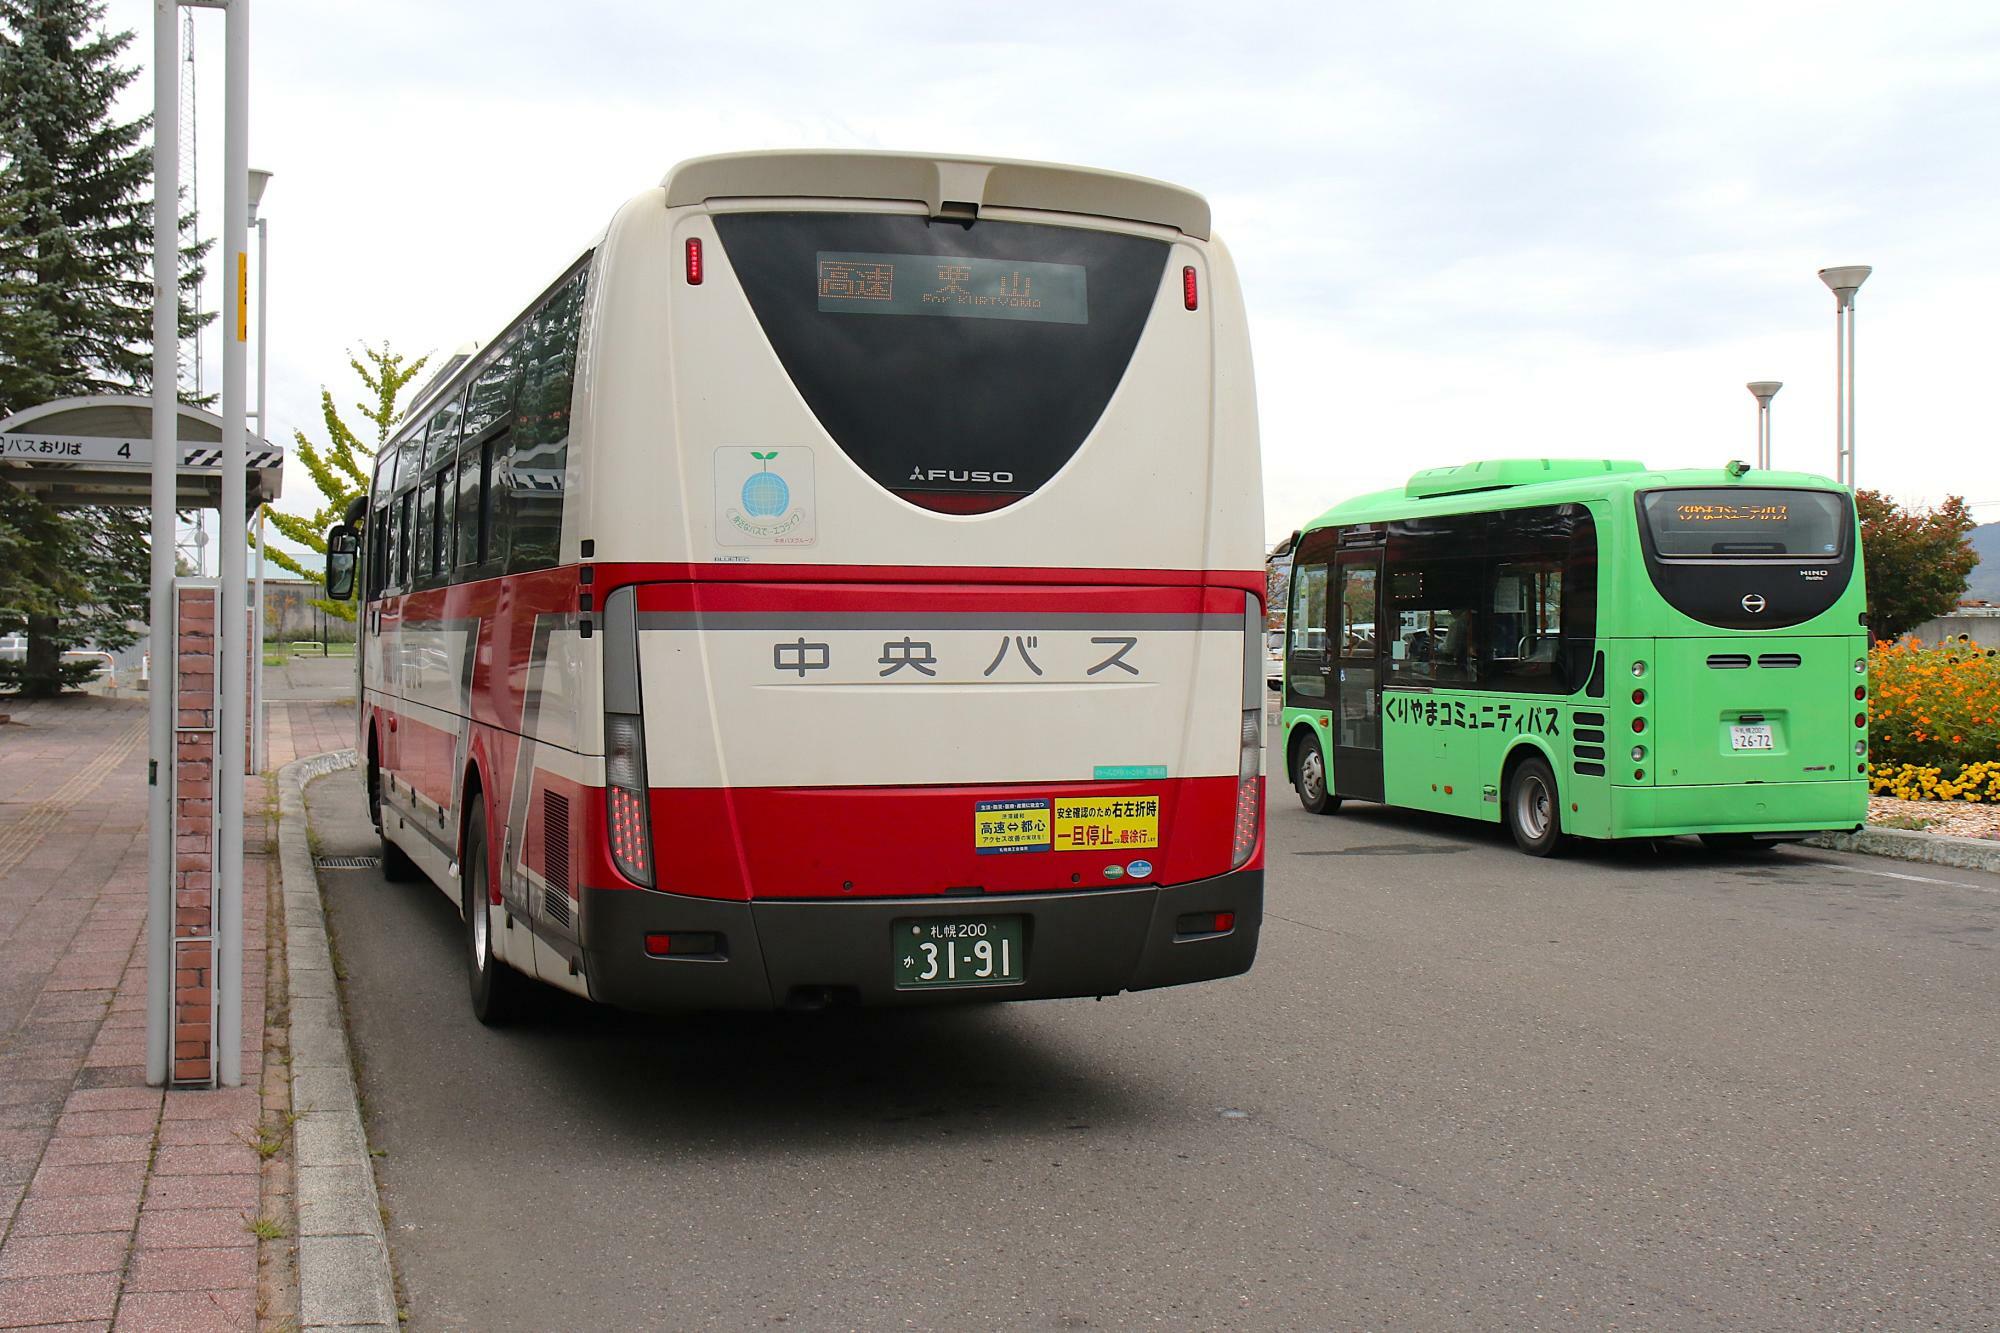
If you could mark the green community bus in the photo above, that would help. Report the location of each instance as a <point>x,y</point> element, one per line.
<point>1588,648</point>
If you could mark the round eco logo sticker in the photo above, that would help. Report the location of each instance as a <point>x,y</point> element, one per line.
<point>1114,872</point>
<point>1139,869</point>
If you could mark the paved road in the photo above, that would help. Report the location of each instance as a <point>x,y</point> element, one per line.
<point>1636,1088</point>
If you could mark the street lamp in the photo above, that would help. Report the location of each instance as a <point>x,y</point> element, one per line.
<point>258,180</point>
<point>1844,281</point>
<point>1764,391</point>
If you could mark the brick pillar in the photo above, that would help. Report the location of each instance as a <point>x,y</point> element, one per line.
<point>196,704</point>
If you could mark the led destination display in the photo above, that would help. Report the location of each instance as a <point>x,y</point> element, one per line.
<point>959,286</point>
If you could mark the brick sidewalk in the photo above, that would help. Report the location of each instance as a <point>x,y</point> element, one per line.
<point>121,1206</point>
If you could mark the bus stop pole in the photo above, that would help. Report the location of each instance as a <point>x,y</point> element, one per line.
<point>166,453</point>
<point>232,624</point>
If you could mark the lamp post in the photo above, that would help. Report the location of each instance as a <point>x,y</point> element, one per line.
<point>1844,282</point>
<point>166,455</point>
<point>1764,391</point>
<point>258,180</point>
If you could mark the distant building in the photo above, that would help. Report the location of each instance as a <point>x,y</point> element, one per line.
<point>1976,620</point>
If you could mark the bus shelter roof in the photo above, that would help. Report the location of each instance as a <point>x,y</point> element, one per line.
<point>98,450</point>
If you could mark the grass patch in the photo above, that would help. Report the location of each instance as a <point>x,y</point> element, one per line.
<point>265,1228</point>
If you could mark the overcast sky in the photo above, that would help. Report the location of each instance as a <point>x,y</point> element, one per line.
<point>1464,231</point>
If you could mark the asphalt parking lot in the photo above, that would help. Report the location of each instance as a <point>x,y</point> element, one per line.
<point>1639,1087</point>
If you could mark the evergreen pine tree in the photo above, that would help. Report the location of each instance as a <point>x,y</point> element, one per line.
<point>75,314</point>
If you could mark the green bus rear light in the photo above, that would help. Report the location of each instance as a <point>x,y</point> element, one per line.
<point>1638,724</point>
<point>1638,696</point>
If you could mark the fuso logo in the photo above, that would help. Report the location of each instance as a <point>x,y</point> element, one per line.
<point>1753,603</point>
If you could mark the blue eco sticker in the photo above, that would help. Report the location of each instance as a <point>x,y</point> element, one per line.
<point>1139,869</point>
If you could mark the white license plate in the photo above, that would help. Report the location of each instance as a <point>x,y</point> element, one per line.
<point>1755,737</point>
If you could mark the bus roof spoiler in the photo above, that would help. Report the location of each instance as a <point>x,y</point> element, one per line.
<point>948,186</point>
<point>1498,473</point>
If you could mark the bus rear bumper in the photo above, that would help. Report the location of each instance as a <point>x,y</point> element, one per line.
<point>775,954</point>
<point>1752,807</point>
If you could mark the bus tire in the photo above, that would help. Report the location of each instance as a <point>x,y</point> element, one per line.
<point>1534,808</point>
<point>397,867</point>
<point>1309,779</point>
<point>499,993</point>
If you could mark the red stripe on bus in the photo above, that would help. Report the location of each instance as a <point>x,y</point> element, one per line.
<point>615,574</point>
<point>891,842</point>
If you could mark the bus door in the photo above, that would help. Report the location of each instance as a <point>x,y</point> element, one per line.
<point>1357,675</point>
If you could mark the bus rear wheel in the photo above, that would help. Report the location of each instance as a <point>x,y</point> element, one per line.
<point>1309,779</point>
<point>1533,810</point>
<point>499,993</point>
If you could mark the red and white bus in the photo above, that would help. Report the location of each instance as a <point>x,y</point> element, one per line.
<point>843,584</point>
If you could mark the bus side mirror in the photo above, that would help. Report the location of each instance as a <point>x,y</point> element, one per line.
<point>343,557</point>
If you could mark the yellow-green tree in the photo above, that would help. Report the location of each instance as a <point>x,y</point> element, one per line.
<point>342,467</point>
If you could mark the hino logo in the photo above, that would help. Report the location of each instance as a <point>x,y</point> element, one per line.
<point>1753,603</point>
<point>959,475</point>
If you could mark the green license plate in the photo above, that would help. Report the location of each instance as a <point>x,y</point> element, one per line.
<point>957,951</point>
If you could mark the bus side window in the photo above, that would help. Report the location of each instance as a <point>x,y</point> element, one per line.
<point>1306,621</point>
<point>1541,606</point>
<point>1435,571</point>
<point>489,415</point>
<point>470,551</point>
<point>531,471</point>
<point>406,535</point>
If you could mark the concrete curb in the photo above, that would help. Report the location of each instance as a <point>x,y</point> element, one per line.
<point>344,1279</point>
<point>1938,849</point>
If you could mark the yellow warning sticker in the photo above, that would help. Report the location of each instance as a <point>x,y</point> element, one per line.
<point>1107,823</point>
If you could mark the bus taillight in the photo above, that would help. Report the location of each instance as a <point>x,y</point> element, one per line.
<point>1249,786</point>
<point>694,261</point>
<point>625,797</point>
<point>1190,292</point>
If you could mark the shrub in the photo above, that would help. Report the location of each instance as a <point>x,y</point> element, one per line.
<point>1934,709</point>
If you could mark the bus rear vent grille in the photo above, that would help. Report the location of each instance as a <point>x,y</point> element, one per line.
<point>555,857</point>
<point>1589,719</point>
<point>1778,660</point>
<point>1729,661</point>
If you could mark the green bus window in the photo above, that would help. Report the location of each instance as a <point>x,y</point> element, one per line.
<point>1436,576</point>
<point>1357,612</point>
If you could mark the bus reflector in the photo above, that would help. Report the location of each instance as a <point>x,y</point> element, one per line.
<point>694,261</point>
<point>659,945</point>
<point>1190,294</point>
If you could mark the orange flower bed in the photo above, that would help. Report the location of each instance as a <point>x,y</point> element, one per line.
<point>1934,713</point>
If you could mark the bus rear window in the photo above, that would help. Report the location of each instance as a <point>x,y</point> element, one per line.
<point>959,365</point>
<point>1745,522</point>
